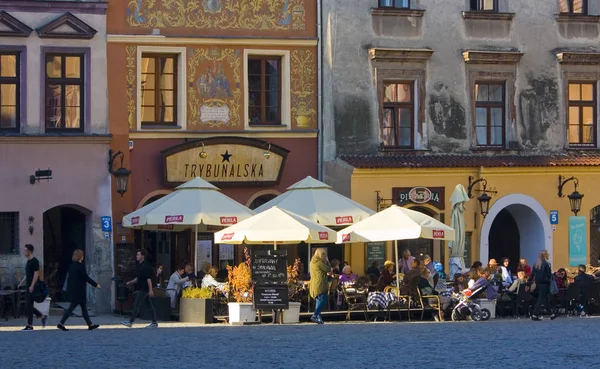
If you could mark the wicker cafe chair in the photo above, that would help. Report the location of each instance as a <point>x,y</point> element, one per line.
<point>402,302</point>
<point>356,298</point>
<point>424,301</point>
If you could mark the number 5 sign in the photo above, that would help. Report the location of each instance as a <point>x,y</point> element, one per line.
<point>106,224</point>
<point>553,216</point>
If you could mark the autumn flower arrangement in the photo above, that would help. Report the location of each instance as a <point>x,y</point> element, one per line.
<point>292,277</point>
<point>197,293</point>
<point>240,280</point>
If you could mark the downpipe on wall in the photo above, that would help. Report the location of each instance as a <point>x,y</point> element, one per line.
<point>320,90</point>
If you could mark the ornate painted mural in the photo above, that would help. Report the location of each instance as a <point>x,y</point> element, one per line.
<point>303,87</point>
<point>272,15</point>
<point>214,86</point>
<point>130,68</point>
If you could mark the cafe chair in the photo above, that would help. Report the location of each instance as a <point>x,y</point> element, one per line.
<point>356,299</point>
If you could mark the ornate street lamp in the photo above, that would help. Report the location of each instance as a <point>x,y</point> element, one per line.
<point>484,199</point>
<point>121,174</point>
<point>575,197</point>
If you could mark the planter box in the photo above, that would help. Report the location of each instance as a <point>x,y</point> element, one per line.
<point>241,312</point>
<point>490,305</point>
<point>196,311</point>
<point>292,315</point>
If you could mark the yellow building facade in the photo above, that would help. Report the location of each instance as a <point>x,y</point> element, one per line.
<point>525,215</point>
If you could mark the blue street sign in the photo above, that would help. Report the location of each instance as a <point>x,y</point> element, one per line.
<point>553,216</point>
<point>106,224</point>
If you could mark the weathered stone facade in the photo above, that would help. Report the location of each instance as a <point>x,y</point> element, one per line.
<point>445,48</point>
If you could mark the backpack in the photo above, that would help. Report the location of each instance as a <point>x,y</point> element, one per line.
<point>40,292</point>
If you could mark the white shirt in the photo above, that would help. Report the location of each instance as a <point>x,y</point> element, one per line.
<point>209,281</point>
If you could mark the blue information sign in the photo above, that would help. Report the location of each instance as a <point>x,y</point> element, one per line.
<point>577,240</point>
<point>553,216</point>
<point>106,224</point>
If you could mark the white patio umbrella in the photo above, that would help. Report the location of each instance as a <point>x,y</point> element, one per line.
<point>193,204</point>
<point>396,223</point>
<point>318,202</point>
<point>457,247</point>
<point>276,226</point>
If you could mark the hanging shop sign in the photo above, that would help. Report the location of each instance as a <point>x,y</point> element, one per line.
<point>225,161</point>
<point>419,195</point>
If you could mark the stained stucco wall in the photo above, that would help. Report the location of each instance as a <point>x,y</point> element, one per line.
<point>350,111</point>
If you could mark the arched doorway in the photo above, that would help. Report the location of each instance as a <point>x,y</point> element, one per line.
<point>504,239</point>
<point>595,236</point>
<point>516,225</point>
<point>418,247</point>
<point>65,230</point>
<point>261,200</point>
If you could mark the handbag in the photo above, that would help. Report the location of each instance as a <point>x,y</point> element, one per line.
<point>553,286</point>
<point>65,284</point>
<point>40,292</point>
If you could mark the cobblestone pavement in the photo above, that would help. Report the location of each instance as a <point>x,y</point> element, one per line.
<point>520,343</point>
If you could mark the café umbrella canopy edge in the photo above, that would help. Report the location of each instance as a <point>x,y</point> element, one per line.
<point>393,224</point>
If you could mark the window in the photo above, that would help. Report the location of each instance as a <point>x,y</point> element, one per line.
<point>264,90</point>
<point>582,113</point>
<point>64,92</point>
<point>9,91</point>
<point>484,5</point>
<point>398,112</point>
<point>401,4</point>
<point>9,233</point>
<point>159,89</point>
<point>489,114</point>
<point>573,6</point>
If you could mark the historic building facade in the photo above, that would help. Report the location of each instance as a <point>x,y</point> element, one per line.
<point>429,94</point>
<point>225,90</point>
<point>54,141</point>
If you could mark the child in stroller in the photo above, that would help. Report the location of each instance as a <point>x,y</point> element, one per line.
<point>464,306</point>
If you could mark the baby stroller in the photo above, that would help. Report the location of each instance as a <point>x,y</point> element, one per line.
<point>465,307</point>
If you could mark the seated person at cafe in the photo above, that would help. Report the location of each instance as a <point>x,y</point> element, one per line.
<point>189,274</point>
<point>388,273</point>
<point>519,282</point>
<point>302,275</point>
<point>347,275</point>
<point>480,281</point>
<point>335,267</point>
<point>427,290</point>
<point>414,272</point>
<point>584,280</point>
<point>460,283</point>
<point>209,278</point>
<point>175,284</point>
<point>374,269</point>
<point>223,273</point>
<point>507,278</point>
<point>429,264</point>
<point>159,274</point>
<point>405,262</point>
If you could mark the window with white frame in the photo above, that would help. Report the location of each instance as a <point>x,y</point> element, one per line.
<point>267,97</point>
<point>161,81</point>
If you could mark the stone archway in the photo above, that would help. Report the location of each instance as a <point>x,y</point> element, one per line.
<point>531,221</point>
<point>65,230</point>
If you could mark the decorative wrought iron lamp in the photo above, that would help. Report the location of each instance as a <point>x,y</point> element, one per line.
<point>121,174</point>
<point>575,197</point>
<point>484,199</point>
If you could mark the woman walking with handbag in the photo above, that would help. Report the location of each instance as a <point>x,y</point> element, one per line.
<point>541,275</point>
<point>77,281</point>
<point>319,269</point>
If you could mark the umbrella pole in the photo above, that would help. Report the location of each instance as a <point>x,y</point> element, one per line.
<point>308,266</point>
<point>196,248</point>
<point>397,266</point>
<point>275,245</point>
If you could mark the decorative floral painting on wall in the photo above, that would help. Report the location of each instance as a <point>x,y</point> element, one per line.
<point>214,91</point>
<point>303,89</point>
<point>273,15</point>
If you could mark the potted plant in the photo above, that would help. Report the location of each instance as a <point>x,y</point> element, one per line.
<point>240,288</point>
<point>196,305</point>
<point>292,315</point>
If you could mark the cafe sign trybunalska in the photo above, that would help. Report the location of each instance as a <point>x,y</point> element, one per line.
<point>225,161</point>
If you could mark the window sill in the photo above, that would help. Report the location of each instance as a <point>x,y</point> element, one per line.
<point>576,18</point>
<point>258,125</point>
<point>158,127</point>
<point>416,13</point>
<point>575,147</point>
<point>490,148</point>
<point>487,15</point>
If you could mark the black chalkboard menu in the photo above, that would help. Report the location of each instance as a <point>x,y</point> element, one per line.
<point>375,252</point>
<point>269,268</point>
<point>270,297</point>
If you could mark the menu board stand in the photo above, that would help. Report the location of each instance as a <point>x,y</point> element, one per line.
<point>269,275</point>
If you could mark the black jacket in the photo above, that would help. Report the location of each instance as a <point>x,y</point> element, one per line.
<point>76,283</point>
<point>542,275</point>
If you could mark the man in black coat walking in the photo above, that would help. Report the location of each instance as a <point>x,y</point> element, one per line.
<point>76,288</point>
<point>144,285</point>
